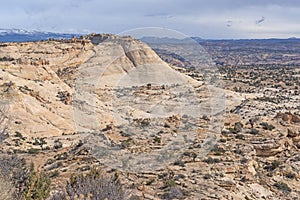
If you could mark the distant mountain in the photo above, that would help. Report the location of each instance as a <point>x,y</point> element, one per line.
<point>19,35</point>
<point>167,40</point>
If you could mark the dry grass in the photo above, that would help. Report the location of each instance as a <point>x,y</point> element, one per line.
<point>6,189</point>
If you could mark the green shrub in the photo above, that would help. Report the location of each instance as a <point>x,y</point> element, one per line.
<point>171,183</point>
<point>271,167</point>
<point>254,131</point>
<point>150,181</point>
<point>19,135</point>
<point>157,139</point>
<point>291,175</point>
<point>38,187</point>
<point>267,126</point>
<point>238,127</point>
<point>218,151</point>
<point>57,144</point>
<point>223,140</point>
<point>54,174</point>
<point>282,186</point>
<point>39,141</point>
<point>211,160</point>
<point>240,137</point>
<point>33,151</point>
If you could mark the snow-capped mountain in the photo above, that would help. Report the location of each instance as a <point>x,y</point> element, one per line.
<point>4,31</point>
<point>20,35</point>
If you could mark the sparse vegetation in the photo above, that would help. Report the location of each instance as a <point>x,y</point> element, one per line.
<point>218,151</point>
<point>39,141</point>
<point>19,135</point>
<point>57,144</point>
<point>23,183</point>
<point>157,139</point>
<point>150,181</point>
<point>267,126</point>
<point>170,183</point>
<point>238,127</point>
<point>179,163</point>
<point>54,174</point>
<point>211,160</point>
<point>6,59</point>
<point>283,187</point>
<point>254,131</point>
<point>291,175</point>
<point>271,167</point>
<point>93,185</point>
<point>33,151</point>
<point>62,156</point>
<point>240,137</point>
<point>38,187</point>
<point>255,143</point>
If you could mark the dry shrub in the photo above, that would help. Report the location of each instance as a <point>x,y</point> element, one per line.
<point>7,190</point>
<point>94,186</point>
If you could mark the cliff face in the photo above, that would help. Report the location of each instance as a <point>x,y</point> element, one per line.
<point>36,78</point>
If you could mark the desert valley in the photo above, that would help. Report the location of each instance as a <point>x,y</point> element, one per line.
<point>161,119</point>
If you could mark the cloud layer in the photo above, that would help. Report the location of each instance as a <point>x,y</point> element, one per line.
<point>204,18</point>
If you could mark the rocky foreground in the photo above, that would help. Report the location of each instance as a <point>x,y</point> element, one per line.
<point>168,133</point>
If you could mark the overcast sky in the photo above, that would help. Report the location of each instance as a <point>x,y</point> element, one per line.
<point>203,18</point>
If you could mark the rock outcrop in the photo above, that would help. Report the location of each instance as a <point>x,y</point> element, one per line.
<point>106,99</point>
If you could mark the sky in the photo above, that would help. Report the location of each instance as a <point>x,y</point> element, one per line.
<point>209,19</point>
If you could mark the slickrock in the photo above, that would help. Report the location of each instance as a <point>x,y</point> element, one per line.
<point>111,102</point>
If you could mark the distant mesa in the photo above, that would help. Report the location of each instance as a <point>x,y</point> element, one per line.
<point>168,40</point>
<point>20,35</point>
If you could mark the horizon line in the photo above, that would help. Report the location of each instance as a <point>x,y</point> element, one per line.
<point>192,37</point>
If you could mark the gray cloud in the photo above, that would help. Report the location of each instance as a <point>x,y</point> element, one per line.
<point>229,23</point>
<point>204,18</point>
<point>261,20</point>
